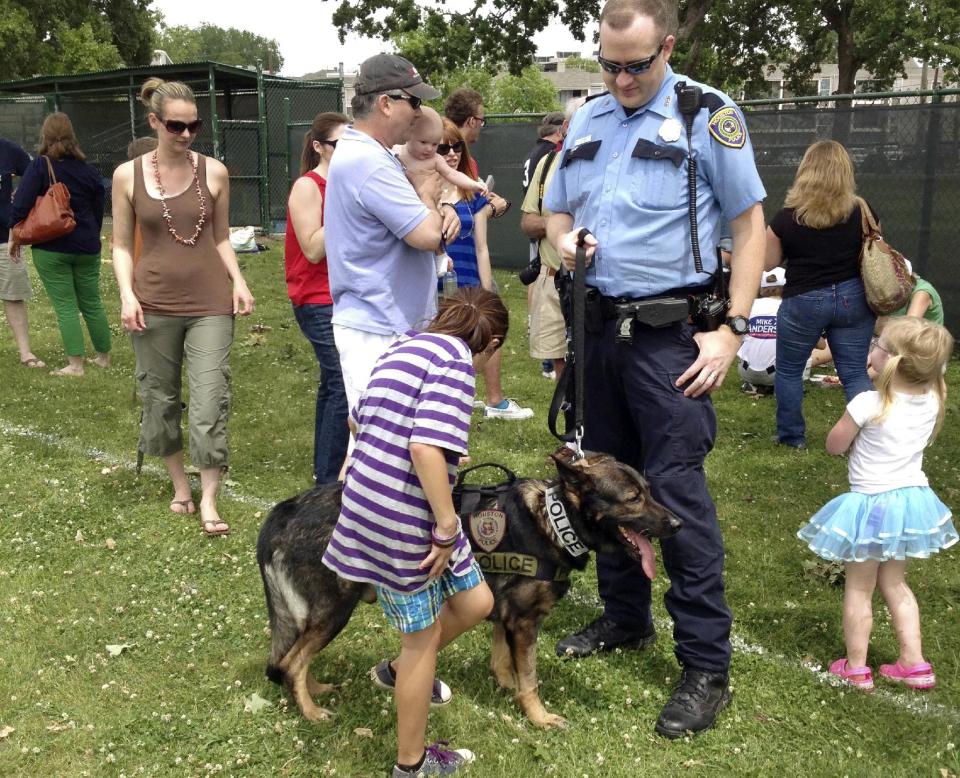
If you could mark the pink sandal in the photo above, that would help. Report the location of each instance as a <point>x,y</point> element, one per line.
<point>919,676</point>
<point>858,677</point>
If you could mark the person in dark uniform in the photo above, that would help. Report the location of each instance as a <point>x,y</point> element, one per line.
<point>551,132</point>
<point>623,177</point>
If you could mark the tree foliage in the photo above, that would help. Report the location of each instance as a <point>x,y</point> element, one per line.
<point>530,92</point>
<point>220,44</point>
<point>71,36</point>
<point>729,43</point>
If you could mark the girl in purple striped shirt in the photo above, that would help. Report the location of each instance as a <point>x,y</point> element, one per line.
<point>398,529</point>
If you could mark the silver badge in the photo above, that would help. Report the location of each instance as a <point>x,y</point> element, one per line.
<point>670,130</point>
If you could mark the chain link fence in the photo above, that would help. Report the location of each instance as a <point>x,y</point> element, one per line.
<point>905,149</point>
<point>245,126</point>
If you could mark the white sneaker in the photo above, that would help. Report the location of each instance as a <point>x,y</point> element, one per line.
<point>511,411</point>
<point>550,375</point>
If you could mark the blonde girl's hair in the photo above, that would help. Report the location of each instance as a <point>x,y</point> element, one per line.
<point>474,315</point>
<point>57,138</point>
<point>919,350</point>
<point>452,134</point>
<point>824,190</point>
<point>155,92</point>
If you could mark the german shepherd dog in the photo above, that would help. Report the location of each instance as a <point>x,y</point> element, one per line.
<point>608,505</point>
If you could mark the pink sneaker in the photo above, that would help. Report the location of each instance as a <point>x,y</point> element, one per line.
<point>858,677</point>
<point>916,677</point>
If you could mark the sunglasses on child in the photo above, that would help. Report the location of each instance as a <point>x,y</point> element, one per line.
<point>633,68</point>
<point>414,101</point>
<point>445,148</point>
<point>177,127</point>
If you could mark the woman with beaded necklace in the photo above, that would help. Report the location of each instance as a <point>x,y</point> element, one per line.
<point>180,301</point>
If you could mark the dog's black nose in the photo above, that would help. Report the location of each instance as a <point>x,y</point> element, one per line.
<point>674,524</point>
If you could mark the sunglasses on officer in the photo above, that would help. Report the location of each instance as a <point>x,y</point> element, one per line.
<point>445,148</point>
<point>633,68</point>
<point>414,101</point>
<point>177,127</point>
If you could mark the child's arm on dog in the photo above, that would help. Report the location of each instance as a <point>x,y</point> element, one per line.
<point>431,468</point>
<point>842,435</point>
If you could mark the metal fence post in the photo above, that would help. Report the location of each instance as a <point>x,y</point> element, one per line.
<point>262,143</point>
<point>286,138</point>
<point>929,183</point>
<point>214,119</point>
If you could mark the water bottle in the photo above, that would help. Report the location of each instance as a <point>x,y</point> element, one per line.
<point>449,283</point>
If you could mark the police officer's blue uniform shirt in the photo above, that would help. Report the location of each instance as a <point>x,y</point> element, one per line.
<point>637,207</point>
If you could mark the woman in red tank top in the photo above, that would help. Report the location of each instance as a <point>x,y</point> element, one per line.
<point>309,289</point>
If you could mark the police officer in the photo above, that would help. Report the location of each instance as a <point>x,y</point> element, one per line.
<point>623,176</point>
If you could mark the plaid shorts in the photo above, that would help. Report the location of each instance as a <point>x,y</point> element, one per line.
<point>417,611</point>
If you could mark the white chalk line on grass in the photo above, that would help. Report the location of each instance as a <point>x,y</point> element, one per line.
<point>912,703</point>
<point>103,457</point>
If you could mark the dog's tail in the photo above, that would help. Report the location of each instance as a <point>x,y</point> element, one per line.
<point>275,674</point>
<point>288,611</point>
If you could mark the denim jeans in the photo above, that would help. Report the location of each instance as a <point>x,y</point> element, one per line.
<point>331,433</point>
<point>838,311</point>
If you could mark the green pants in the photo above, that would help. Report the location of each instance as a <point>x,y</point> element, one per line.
<point>203,343</point>
<point>72,282</point>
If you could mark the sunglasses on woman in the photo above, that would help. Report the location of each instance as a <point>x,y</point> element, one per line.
<point>633,68</point>
<point>414,101</point>
<point>445,148</point>
<point>177,127</point>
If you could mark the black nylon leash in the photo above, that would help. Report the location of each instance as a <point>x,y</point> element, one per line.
<point>575,355</point>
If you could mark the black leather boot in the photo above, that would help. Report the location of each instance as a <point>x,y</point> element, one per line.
<point>603,634</point>
<point>696,700</point>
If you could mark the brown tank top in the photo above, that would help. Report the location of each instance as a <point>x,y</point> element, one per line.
<point>171,278</point>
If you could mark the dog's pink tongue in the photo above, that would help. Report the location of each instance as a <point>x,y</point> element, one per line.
<point>648,559</point>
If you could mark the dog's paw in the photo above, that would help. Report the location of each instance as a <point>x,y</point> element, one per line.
<point>551,721</point>
<point>317,714</point>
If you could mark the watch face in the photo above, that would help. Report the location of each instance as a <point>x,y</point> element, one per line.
<point>739,324</point>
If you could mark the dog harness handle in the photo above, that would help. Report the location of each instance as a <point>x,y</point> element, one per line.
<point>511,476</point>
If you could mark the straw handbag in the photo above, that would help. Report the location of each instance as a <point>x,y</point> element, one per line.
<point>886,276</point>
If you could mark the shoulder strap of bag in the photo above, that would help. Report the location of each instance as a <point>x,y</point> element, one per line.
<point>867,222</point>
<point>548,161</point>
<point>53,177</point>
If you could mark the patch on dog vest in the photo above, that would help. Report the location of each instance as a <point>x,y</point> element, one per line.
<point>562,528</point>
<point>726,126</point>
<point>487,528</point>
<point>511,562</point>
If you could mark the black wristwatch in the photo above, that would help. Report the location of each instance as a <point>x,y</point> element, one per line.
<point>740,325</point>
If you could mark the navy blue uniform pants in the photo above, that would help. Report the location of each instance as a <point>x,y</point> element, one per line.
<point>634,411</point>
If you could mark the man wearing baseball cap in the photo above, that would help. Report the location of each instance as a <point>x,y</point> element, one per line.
<point>380,232</point>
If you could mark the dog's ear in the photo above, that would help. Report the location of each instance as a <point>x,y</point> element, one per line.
<point>576,470</point>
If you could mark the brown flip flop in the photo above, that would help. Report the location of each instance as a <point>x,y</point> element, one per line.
<point>185,504</point>
<point>33,362</point>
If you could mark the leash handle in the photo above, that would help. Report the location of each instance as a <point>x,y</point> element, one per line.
<point>511,476</point>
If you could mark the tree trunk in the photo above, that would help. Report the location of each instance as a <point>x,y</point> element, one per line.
<point>696,10</point>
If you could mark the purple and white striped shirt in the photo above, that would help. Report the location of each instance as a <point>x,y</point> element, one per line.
<point>420,391</point>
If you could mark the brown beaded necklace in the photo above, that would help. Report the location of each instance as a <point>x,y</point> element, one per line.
<point>191,241</point>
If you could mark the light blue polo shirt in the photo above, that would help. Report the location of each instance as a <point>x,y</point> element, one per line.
<point>637,207</point>
<point>379,284</point>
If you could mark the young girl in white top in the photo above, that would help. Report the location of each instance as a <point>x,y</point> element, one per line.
<point>890,512</point>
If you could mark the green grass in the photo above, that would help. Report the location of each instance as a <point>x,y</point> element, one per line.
<point>90,557</point>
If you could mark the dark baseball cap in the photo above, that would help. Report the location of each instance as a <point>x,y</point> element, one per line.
<point>384,72</point>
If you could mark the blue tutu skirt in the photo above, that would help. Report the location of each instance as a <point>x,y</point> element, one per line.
<point>901,523</point>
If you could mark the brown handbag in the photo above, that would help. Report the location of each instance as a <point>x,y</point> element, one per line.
<point>51,216</point>
<point>887,279</point>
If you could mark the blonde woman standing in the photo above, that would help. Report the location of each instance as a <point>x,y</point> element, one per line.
<point>180,301</point>
<point>817,236</point>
